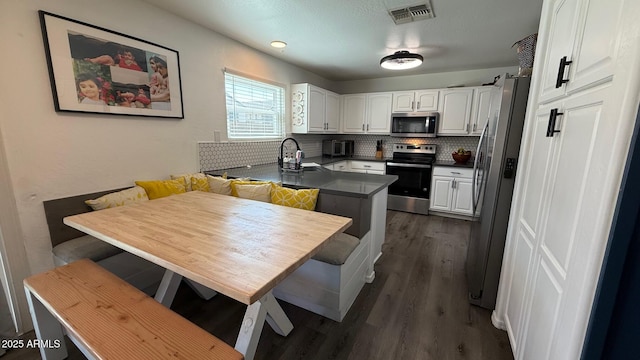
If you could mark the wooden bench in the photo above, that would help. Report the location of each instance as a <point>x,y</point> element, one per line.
<point>109,319</point>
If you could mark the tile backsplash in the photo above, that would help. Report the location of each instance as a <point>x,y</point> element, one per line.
<point>224,155</point>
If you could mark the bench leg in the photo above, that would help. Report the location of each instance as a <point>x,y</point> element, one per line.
<point>168,288</point>
<point>267,309</point>
<point>48,329</point>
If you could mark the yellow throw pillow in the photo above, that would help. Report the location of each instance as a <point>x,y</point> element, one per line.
<point>259,192</point>
<point>200,184</point>
<point>160,188</point>
<point>236,182</point>
<point>188,177</point>
<point>302,199</point>
<point>120,198</point>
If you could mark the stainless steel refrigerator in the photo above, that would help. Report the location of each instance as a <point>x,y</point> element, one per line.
<point>495,166</point>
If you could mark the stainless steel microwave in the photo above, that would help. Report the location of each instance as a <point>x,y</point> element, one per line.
<point>414,124</point>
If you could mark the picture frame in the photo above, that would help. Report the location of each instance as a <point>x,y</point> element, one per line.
<point>100,71</point>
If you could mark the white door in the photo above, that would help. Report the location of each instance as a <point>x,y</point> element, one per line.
<point>316,109</point>
<point>481,108</point>
<point>441,193</point>
<point>455,111</point>
<point>353,113</point>
<point>462,197</point>
<point>403,101</point>
<point>332,116</point>
<point>427,100</point>
<point>379,113</point>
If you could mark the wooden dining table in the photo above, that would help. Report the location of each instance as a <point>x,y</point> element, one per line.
<point>238,247</point>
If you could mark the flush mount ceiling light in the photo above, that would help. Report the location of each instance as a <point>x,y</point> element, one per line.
<point>401,60</point>
<point>278,44</point>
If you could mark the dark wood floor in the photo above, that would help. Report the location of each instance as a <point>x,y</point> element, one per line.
<point>415,309</point>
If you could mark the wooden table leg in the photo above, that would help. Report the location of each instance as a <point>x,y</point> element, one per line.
<point>168,288</point>
<point>47,328</point>
<point>267,308</point>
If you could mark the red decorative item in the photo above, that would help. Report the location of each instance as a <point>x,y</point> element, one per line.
<point>461,158</point>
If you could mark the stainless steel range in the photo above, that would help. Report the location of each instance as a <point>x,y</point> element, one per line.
<point>412,163</point>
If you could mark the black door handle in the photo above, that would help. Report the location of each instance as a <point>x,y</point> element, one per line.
<point>563,64</point>
<point>551,127</point>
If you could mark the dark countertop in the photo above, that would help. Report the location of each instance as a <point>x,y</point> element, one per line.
<point>330,182</point>
<point>468,164</point>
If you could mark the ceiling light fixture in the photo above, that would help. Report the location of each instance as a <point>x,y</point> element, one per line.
<point>278,44</point>
<point>401,60</point>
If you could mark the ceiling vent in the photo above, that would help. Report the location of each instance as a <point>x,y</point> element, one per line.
<point>412,13</point>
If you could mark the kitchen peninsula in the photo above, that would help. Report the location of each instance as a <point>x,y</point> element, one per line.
<point>359,196</point>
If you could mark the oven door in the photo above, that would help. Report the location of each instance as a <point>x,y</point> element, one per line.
<point>414,180</point>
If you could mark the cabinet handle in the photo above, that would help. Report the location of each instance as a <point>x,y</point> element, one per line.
<point>367,127</point>
<point>551,127</point>
<point>367,166</point>
<point>475,126</point>
<point>362,127</point>
<point>560,79</point>
<point>455,172</point>
<point>453,184</point>
<point>467,127</point>
<point>418,105</point>
<point>413,103</point>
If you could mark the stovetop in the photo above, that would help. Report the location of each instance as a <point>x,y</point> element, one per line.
<point>414,153</point>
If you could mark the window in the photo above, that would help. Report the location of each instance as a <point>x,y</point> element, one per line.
<point>255,110</point>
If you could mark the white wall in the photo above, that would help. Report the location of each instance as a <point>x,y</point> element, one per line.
<point>52,155</point>
<point>426,81</point>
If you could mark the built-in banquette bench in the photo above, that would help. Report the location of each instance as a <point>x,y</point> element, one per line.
<point>109,319</point>
<point>327,284</point>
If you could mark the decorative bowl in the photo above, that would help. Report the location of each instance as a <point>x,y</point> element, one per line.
<point>461,158</point>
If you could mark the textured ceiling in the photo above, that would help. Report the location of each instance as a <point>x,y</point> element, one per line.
<point>345,39</point>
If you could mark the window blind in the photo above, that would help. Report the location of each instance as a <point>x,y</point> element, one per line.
<point>255,110</point>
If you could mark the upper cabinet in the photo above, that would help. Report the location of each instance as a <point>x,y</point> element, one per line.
<point>455,111</point>
<point>415,101</point>
<point>580,63</point>
<point>314,110</point>
<point>366,113</point>
<point>480,109</point>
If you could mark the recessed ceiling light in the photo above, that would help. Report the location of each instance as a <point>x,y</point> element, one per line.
<point>278,44</point>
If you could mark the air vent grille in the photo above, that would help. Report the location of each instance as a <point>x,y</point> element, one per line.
<point>412,13</point>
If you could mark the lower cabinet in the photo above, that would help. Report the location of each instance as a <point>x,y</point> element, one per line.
<point>365,167</point>
<point>451,190</point>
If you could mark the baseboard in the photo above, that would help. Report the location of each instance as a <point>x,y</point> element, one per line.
<point>497,323</point>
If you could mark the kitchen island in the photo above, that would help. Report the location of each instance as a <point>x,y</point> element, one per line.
<point>361,197</point>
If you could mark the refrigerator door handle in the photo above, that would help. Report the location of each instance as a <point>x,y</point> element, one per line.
<point>474,197</point>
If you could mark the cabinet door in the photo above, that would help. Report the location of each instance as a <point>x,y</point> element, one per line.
<point>353,113</point>
<point>427,100</point>
<point>455,111</point>
<point>481,106</point>
<point>316,108</point>
<point>403,101</point>
<point>379,113</point>
<point>441,193</point>
<point>560,33</point>
<point>332,116</point>
<point>594,53</point>
<point>462,195</point>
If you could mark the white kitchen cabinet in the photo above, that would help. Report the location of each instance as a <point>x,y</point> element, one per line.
<point>341,166</point>
<point>366,113</point>
<point>314,110</point>
<point>564,203</point>
<point>451,190</point>
<point>369,167</point>
<point>455,111</point>
<point>415,101</point>
<point>480,111</point>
